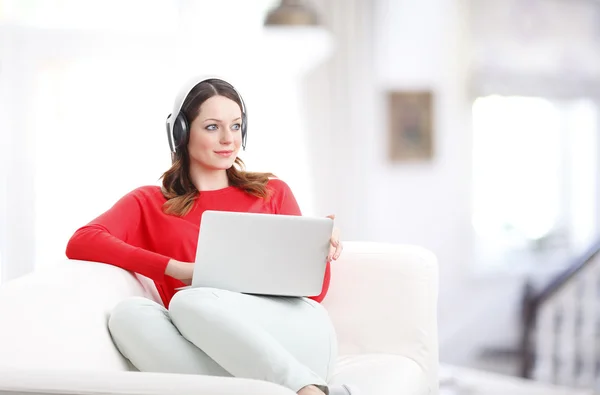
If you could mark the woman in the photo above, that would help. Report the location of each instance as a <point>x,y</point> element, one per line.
<point>153,231</point>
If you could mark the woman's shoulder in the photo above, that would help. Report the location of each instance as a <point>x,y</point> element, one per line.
<point>278,188</point>
<point>277,185</point>
<point>283,200</point>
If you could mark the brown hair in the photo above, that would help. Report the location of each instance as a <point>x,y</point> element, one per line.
<point>177,186</point>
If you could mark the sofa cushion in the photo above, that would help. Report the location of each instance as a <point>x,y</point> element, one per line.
<point>381,374</point>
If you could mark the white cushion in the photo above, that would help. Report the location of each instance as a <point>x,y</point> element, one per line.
<point>383,300</point>
<point>381,374</point>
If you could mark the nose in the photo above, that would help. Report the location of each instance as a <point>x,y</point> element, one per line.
<point>226,137</point>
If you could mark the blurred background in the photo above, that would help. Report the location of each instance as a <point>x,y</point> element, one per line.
<point>469,127</point>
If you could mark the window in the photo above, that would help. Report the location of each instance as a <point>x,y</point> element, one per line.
<point>534,184</point>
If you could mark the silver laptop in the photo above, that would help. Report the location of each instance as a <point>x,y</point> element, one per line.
<point>264,254</point>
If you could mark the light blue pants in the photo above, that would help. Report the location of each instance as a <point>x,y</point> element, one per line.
<point>287,341</point>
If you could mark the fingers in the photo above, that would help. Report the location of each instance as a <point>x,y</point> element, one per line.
<point>331,254</point>
<point>335,237</point>
<point>335,251</point>
<point>338,251</point>
<point>335,248</point>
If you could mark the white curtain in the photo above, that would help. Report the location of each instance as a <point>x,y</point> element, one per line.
<point>341,135</point>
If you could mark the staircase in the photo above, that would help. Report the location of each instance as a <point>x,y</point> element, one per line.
<point>560,334</point>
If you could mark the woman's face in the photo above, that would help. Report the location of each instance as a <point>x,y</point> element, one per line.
<point>216,134</point>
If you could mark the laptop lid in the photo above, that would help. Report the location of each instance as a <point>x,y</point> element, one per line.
<point>268,254</point>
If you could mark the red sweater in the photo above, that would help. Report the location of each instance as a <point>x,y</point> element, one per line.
<point>136,235</point>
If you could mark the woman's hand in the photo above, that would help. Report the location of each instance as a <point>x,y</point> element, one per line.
<point>182,271</point>
<point>335,249</point>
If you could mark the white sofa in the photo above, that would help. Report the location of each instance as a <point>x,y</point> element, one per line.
<point>382,300</point>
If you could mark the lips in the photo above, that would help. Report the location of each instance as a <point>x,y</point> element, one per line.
<point>224,153</point>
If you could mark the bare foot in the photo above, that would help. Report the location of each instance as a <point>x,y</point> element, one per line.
<point>310,390</point>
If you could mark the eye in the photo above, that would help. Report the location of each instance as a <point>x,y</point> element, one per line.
<point>211,127</point>
<point>236,126</point>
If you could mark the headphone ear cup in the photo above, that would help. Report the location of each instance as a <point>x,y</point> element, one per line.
<point>244,129</point>
<point>180,131</point>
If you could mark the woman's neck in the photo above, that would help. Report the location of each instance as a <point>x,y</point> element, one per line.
<point>208,180</point>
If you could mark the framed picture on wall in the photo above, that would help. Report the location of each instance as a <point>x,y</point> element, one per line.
<point>410,136</point>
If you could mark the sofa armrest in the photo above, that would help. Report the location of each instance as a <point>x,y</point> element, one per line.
<point>383,299</point>
<point>61,382</point>
<point>56,316</point>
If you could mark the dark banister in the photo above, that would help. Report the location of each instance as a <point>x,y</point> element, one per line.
<point>564,277</point>
<point>532,301</point>
<point>528,319</point>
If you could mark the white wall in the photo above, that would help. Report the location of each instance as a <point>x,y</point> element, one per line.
<point>17,216</point>
<point>420,46</point>
<point>386,45</point>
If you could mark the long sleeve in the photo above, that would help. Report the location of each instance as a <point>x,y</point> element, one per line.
<point>113,238</point>
<point>287,205</point>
